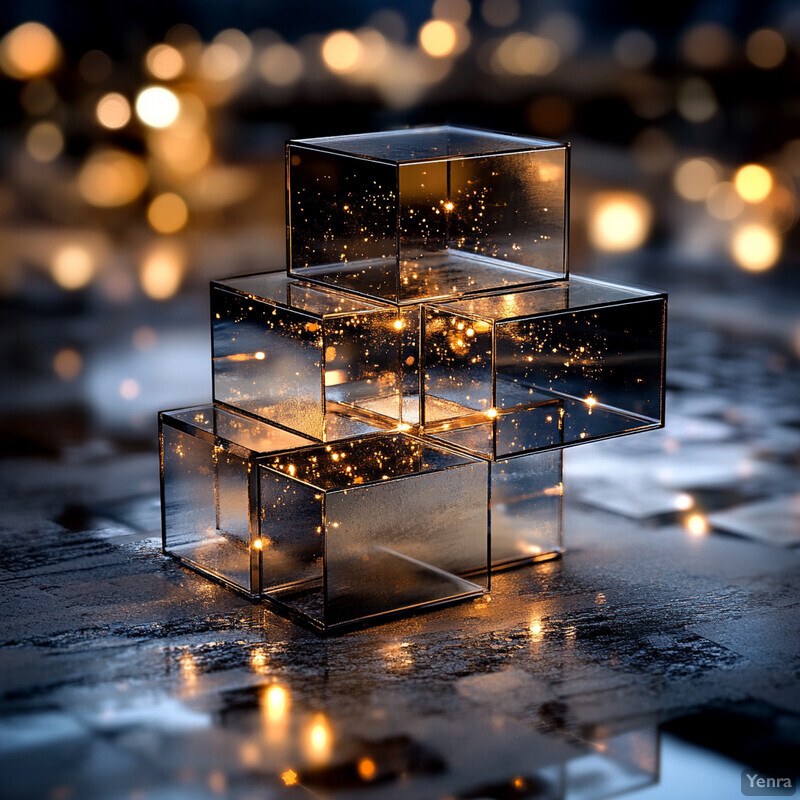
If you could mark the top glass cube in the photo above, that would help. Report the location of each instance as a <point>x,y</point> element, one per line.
<point>427,213</point>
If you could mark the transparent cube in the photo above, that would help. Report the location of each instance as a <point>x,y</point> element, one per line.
<point>209,490</point>
<point>526,513</point>
<point>567,363</point>
<point>376,525</point>
<point>291,353</point>
<point>427,212</point>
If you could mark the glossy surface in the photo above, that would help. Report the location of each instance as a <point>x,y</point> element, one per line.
<point>427,213</point>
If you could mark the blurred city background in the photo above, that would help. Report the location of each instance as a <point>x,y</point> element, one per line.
<point>142,154</point>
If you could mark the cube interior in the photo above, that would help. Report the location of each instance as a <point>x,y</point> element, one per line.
<point>427,213</point>
<point>371,526</point>
<point>515,373</point>
<point>209,500</point>
<point>294,353</point>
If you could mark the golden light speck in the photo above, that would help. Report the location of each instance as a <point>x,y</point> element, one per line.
<point>113,111</point>
<point>696,524</point>
<point>258,544</point>
<point>753,183</point>
<point>448,206</point>
<point>366,769</point>
<point>72,266</point>
<point>289,777</point>
<point>319,739</point>
<point>161,271</point>
<point>260,356</point>
<point>590,401</point>
<point>67,364</point>
<point>276,702</point>
<point>619,221</point>
<point>491,413</point>
<point>157,107</point>
<point>683,502</point>
<point>28,51</point>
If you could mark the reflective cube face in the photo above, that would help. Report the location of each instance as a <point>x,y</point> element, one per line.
<point>372,526</point>
<point>427,213</point>
<point>515,373</point>
<point>297,354</point>
<point>209,498</point>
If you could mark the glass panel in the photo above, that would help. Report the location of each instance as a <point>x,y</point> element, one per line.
<point>405,543</point>
<point>267,361</point>
<point>206,506</point>
<point>526,507</point>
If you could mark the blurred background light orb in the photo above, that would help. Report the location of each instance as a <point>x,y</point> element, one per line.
<point>165,62</point>
<point>634,49</point>
<point>456,11</point>
<point>755,247</point>
<point>111,178</point>
<point>29,50</point>
<point>437,38</point>
<point>157,107</point>
<point>765,48</point>
<point>44,141</point>
<point>753,182</point>
<point>167,213</point>
<point>113,111</point>
<point>694,178</point>
<point>500,13</point>
<point>619,221</point>
<point>72,267</point>
<point>281,64</point>
<point>161,271</point>
<point>341,51</point>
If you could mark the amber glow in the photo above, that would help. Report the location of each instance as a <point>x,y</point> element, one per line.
<point>258,544</point>
<point>164,62</point>
<point>366,769</point>
<point>398,324</point>
<point>157,107</point>
<point>111,178</point>
<point>753,182</point>
<point>619,221</point>
<point>289,777</point>
<point>342,52</point>
<point>765,48</point>
<point>276,702</point>
<point>72,267</point>
<point>437,38</point>
<point>28,51</point>
<point>695,178</point>
<point>590,401</point>
<point>319,739</point>
<point>755,247</point>
<point>113,111</point>
<point>161,271</point>
<point>281,64</point>
<point>167,213</point>
<point>696,524</point>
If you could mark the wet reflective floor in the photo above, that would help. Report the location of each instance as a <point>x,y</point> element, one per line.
<point>658,658</point>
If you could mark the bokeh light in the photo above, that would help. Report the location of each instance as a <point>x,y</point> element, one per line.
<point>44,141</point>
<point>437,38</point>
<point>38,96</point>
<point>707,45</point>
<point>694,178</point>
<point>72,267</point>
<point>526,54</point>
<point>167,213</point>
<point>164,62</point>
<point>500,13</point>
<point>157,106</point>
<point>455,11</point>
<point>753,182</point>
<point>95,66</point>
<point>724,202</point>
<point>113,111</point>
<point>341,51</point>
<point>765,48</point>
<point>67,364</point>
<point>281,64</point>
<point>112,178</point>
<point>619,221</point>
<point>755,247</point>
<point>162,270</point>
<point>696,101</point>
<point>634,49</point>
<point>29,50</point>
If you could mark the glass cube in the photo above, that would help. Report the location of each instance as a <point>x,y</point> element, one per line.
<point>291,353</point>
<point>371,526</point>
<point>563,364</point>
<point>427,213</point>
<point>209,490</point>
<point>526,513</point>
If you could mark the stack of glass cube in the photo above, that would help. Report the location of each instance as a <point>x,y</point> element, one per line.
<point>390,411</point>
